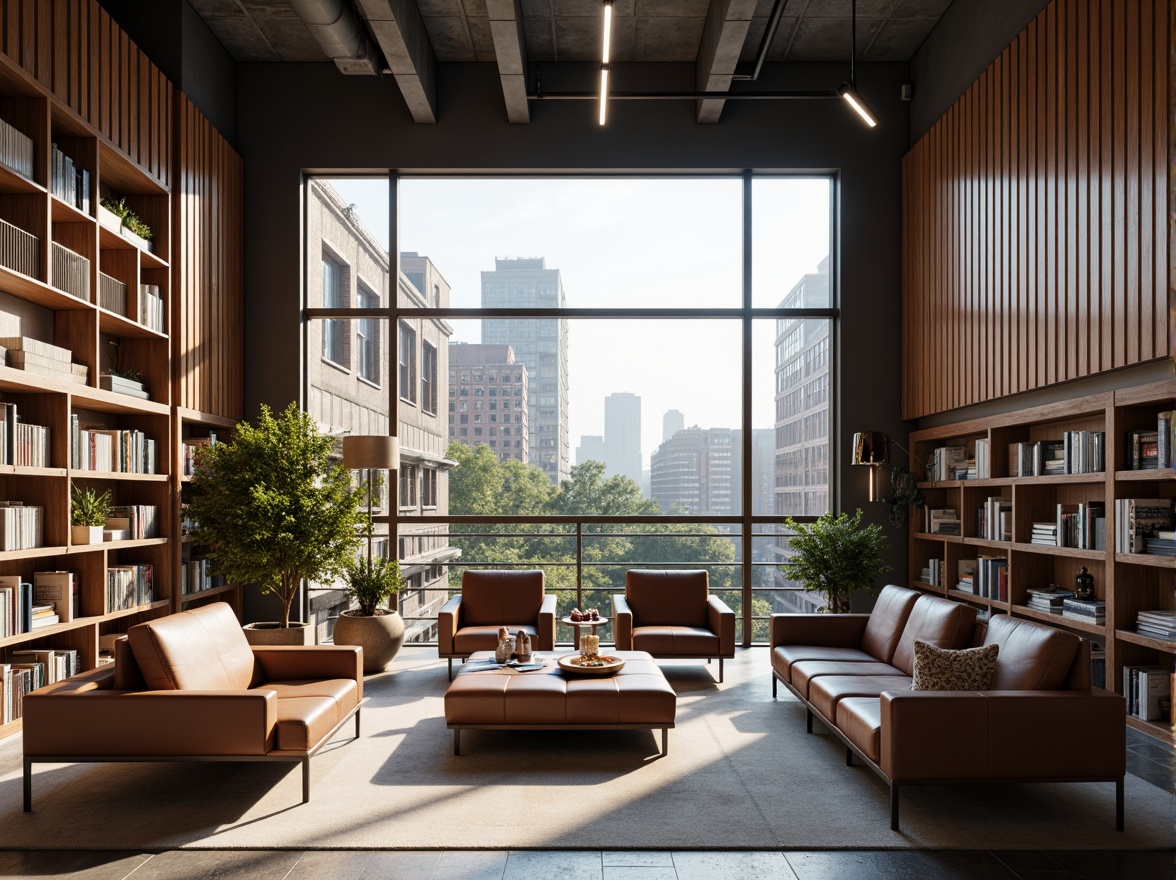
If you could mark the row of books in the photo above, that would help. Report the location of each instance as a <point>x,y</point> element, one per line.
<point>1148,692</point>
<point>1140,520</point>
<point>994,520</point>
<point>110,449</point>
<point>19,250</point>
<point>948,463</point>
<point>21,525</point>
<point>52,597</point>
<point>151,308</point>
<point>985,576</point>
<point>112,294</point>
<point>941,521</point>
<point>1088,610</point>
<point>1050,599</point>
<point>1077,452</point>
<point>132,522</point>
<point>194,577</point>
<point>16,680</point>
<point>1158,624</point>
<point>22,444</point>
<point>68,182</point>
<point>16,149</point>
<point>128,586</point>
<point>191,448</point>
<point>933,572</point>
<point>70,271</point>
<point>1149,450</point>
<point>43,359</point>
<point>1082,526</point>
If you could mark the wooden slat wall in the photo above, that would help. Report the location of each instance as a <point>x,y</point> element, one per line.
<point>75,50</point>
<point>1035,213</point>
<point>207,277</point>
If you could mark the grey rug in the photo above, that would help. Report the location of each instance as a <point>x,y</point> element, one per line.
<point>741,773</point>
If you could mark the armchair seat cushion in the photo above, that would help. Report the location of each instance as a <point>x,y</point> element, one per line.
<point>785,655</point>
<point>860,719</point>
<point>303,721</point>
<point>675,641</point>
<point>828,690</point>
<point>485,638</point>
<point>805,671</point>
<point>344,692</point>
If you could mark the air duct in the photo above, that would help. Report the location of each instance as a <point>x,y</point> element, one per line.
<point>339,33</point>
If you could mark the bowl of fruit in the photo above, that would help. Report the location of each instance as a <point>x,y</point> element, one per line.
<point>593,664</point>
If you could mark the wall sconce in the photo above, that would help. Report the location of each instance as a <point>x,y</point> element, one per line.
<point>370,452</point>
<point>871,448</point>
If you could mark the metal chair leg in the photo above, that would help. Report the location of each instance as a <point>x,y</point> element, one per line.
<point>306,780</point>
<point>451,669</point>
<point>28,784</point>
<point>665,741</point>
<point>808,721</point>
<point>720,670</point>
<point>894,806</point>
<point>1119,804</point>
<point>357,712</point>
<point>773,685</point>
<point>457,740</point>
<point>848,756</point>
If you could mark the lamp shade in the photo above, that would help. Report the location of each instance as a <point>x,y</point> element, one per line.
<point>871,447</point>
<point>371,451</point>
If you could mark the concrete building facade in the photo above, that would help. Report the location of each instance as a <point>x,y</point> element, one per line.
<point>541,344</point>
<point>697,471</point>
<point>488,399</point>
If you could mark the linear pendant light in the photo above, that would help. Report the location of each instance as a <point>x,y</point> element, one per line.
<point>605,51</point>
<point>848,90</point>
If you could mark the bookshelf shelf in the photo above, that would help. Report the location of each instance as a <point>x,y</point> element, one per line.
<point>211,591</point>
<point>15,182</point>
<point>137,609</point>
<point>64,212</point>
<point>11,470</point>
<point>32,553</point>
<point>1158,729</point>
<point>115,475</point>
<point>1129,583</point>
<point>118,325</point>
<point>118,545</point>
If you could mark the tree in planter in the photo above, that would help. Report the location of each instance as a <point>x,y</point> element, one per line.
<point>273,506</point>
<point>837,556</point>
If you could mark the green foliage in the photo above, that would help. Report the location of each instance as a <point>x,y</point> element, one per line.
<point>129,218</point>
<point>274,507</point>
<point>87,507</point>
<point>372,586</point>
<point>838,556</point>
<point>120,363</point>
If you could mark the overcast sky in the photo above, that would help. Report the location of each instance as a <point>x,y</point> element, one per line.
<point>625,242</point>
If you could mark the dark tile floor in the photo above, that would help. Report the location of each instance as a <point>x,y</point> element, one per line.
<point>1146,759</point>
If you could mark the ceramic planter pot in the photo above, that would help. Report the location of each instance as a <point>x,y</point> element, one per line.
<point>380,637</point>
<point>273,633</point>
<point>85,535</point>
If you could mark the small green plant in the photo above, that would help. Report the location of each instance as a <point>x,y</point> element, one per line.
<point>129,218</point>
<point>87,507</point>
<point>837,556</point>
<point>372,586</point>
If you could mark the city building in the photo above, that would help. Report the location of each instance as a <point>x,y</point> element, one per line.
<point>672,422</point>
<point>591,448</point>
<point>541,345</point>
<point>348,385</point>
<point>622,435</point>
<point>697,471</point>
<point>488,399</point>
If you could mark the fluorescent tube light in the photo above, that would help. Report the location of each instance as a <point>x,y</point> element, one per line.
<point>855,101</point>
<point>607,32</point>
<point>603,93</point>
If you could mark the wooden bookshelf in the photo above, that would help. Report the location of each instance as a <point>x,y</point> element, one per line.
<point>1127,582</point>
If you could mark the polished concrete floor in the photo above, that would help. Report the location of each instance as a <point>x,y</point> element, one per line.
<point>1146,758</point>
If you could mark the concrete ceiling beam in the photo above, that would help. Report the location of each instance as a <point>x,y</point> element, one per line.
<point>510,49</point>
<point>723,36</point>
<point>399,29</point>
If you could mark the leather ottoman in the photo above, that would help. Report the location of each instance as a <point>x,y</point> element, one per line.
<point>636,697</point>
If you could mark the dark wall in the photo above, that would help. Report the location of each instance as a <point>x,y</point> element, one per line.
<point>295,117</point>
<point>965,41</point>
<point>181,45</point>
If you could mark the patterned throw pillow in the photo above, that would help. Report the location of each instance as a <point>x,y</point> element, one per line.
<point>940,669</point>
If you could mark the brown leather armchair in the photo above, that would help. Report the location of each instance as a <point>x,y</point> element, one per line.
<point>489,599</point>
<point>671,614</point>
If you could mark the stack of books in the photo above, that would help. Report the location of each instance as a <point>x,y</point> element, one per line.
<point>16,150</point>
<point>151,307</point>
<point>44,359</point>
<point>136,520</point>
<point>1163,543</point>
<point>941,521</point>
<point>1045,533</point>
<point>1158,624</point>
<point>1088,610</point>
<point>1143,450</point>
<point>967,581</point>
<point>1051,598</point>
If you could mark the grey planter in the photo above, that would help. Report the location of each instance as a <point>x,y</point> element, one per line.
<point>273,633</point>
<point>381,637</point>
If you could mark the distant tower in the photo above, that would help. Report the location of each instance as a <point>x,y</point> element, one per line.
<point>591,448</point>
<point>622,435</point>
<point>490,400</point>
<point>698,469</point>
<point>672,422</point>
<point>539,343</point>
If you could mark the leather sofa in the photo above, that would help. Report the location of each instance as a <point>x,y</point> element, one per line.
<point>672,615</point>
<point>469,621</point>
<point>1039,721</point>
<point>189,687</point>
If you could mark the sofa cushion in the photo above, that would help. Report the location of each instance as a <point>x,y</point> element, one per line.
<point>303,721</point>
<point>784,656</point>
<point>201,649</point>
<point>485,638</point>
<point>672,598</point>
<point>825,692</point>
<point>887,621</point>
<point>1032,656</point>
<point>937,622</point>
<point>804,671</point>
<point>676,641</point>
<point>344,691</point>
<point>493,598</point>
<point>940,669</point>
<point>860,719</point>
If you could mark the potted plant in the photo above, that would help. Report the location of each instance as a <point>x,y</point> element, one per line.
<point>378,630</point>
<point>904,491</point>
<point>87,514</point>
<point>837,556</point>
<point>120,376</point>
<point>275,509</point>
<point>132,226</point>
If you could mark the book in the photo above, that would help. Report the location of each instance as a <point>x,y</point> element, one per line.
<point>58,589</point>
<point>36,346</point>
<point>1140,519</point>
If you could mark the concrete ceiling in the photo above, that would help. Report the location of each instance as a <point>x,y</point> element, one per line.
<point>522,32</point>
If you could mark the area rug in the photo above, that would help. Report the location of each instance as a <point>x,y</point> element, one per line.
<point>741,773</point>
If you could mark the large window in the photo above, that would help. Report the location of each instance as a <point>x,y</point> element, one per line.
<point>367,339</point>
<point>592,337</point>
<point>334,297</point>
